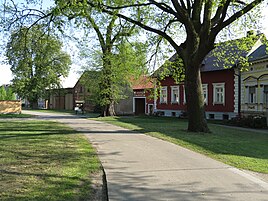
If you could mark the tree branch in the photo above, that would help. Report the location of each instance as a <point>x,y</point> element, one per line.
<point>140,24</point>
<point>238,14</point>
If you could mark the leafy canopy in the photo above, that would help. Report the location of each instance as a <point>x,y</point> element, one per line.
<point>37,61</point>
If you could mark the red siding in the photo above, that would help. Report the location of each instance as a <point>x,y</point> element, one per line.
<point>224,76</point>
<point>169,81</point>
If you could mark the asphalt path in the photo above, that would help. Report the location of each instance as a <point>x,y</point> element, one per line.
<point>141,168</point>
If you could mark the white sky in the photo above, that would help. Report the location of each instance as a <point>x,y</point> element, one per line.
<point>6,75</point>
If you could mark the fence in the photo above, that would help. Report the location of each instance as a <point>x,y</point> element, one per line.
<point>10,107</point>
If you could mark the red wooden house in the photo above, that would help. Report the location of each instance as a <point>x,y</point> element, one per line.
<point>221,83</point>
<point>219,90</point>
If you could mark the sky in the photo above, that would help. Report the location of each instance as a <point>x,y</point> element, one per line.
<point>75,71</point>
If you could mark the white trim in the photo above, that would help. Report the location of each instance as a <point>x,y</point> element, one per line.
<point>161,95</point>
<point>173,88</point>
<point>236,91</point>
<point>218,86</point>
<point>205,86</point>
<point>254,95</point>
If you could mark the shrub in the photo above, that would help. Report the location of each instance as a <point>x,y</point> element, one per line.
<point>250,122</point>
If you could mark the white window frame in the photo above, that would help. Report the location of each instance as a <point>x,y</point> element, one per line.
<point>177,89</point>
<point>254,95</point>
<point>215,87</point>
<point>163,97</point>
<point>205,93</point>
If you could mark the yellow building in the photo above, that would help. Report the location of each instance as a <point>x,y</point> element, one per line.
<point>254,87</point>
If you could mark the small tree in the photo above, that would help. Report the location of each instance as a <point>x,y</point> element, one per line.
<point>9,94</point>
<point>127,63</point>
<point>2,93</point>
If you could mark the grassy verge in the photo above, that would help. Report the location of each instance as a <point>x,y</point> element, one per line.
<point>42,160</point>
<point>241,149</point>
<point>4,116</point>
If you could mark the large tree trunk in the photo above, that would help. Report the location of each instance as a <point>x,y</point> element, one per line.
<point>108,110</point>
<point>107,96</point>
<point>195,100</point>
<point>34,104</point>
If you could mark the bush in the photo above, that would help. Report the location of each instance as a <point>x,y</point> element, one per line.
<point>250,122</point>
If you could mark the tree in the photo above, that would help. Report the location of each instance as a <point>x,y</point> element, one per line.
<point>128,63</point>
<point>2,93</point>
<point>9,94</point>
<point>37,62</point>
<point>201,21</point>
<point>109,30</point>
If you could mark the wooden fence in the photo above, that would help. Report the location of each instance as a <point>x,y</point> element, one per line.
<point>7,107</point>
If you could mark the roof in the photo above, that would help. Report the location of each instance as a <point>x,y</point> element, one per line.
<point>225,55</point>
<point>144,82</point>
<point>259,53</point>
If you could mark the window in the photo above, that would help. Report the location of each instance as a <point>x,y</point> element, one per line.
<point>81,89</point>
<point>225,116</point>
<point>265,94</point>
<point>211,116</point>
<point>163,95</point>
<point>251,94</point>
<point>175,94</point>
<point>218,93</point>
<point>205,93</point>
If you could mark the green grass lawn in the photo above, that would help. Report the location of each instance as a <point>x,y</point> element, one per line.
<point>43,160</point>
<point>241,149</point>
<point>4,116</point>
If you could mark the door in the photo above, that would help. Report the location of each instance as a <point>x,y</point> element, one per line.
<point>139,106</point>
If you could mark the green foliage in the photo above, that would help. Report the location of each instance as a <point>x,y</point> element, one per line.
<point>7,93</point>
<point>107,54</point>
<point>235,52</point>
<point>174,68</point>
<point>2,93</point>
<point>126,64</point>
<point>37,61</point>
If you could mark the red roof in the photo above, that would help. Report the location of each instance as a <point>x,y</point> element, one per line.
<point>143,82</point>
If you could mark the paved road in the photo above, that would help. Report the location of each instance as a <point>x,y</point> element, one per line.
<point>142,168</point>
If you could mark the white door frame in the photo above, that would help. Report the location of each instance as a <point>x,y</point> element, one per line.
<point>134,103</point>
